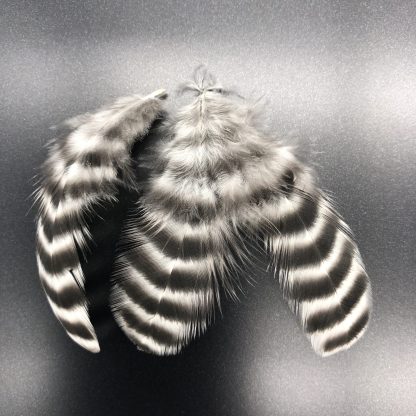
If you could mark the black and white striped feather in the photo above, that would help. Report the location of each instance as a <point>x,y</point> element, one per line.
<point>83,170</point>
<point>220,187</point>
<point>220,181</point>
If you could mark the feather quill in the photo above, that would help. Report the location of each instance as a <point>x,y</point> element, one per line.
<point>84,169</point>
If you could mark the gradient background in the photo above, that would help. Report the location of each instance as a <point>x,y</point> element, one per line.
<point>340,77</point>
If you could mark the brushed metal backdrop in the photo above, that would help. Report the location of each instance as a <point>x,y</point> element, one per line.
<point>340,78</point>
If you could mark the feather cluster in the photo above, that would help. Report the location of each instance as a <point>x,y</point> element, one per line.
<point>220,184</point>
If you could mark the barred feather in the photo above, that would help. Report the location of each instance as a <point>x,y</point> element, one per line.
<point>83,170</point>
<point>219,181</point>
<point>178,247</point>
<point>312,249</point>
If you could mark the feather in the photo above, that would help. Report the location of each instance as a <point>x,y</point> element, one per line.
<point>83,170</point>
<point>178,248</point>
<point>220,181</point>
<point>317,260</point>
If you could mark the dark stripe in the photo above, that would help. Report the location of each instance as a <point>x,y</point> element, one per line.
<point>166,242</point>
<point>316,250</point>
<point>137,293</point>
<point>54,189</point>
<point>341,269</point>
<point>265,194</point>
<point>322,320</point>
<point>160,335</point>
<point>92,159</point>
<point>139,259</point>
<point>348,336</point>
<point>99,156</point>
<point>311,289</point>
<point>261,195</point>
<point>189,247</point>
<point>77,329</point>
<point>90,188</point>
<point>113,133</point>
<point>51,188</point>
<point>288,181</point>
<point>59,261</point>
<point>193,248</point>
<point>200,210</point>
<point>58,227</point>
<point>67,298</point>
<point>301,219</point>
<point>184,279</point>
<point>103,158</point>
<point>354,295</point>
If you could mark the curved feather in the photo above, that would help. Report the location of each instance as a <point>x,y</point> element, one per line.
<point>178,248</point>
<point>84,169</point>
<point>319,266</point>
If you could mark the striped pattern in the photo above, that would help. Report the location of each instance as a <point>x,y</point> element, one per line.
<point>319,266</point>
<point>165,283</point>
<point>218,183</point>
<point>176,251</point>
<point>84,169</point>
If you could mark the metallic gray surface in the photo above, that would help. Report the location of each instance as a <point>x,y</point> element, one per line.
<point>340,78</point>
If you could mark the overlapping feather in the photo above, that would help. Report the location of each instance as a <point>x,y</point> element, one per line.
<point>218,182</point>
<point>84,169</point>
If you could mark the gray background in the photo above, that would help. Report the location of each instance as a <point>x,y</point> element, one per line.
<point>340,77</point>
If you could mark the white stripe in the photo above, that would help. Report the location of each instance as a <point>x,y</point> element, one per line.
<point>89,344</point>
<point>322,269</point>
<point>318,339</point>
<point>58,165</point>
<point>68,207</point>
<point>188,190</point>
<point>60,243</point>
<point>76,315</point>
<point>278,210</point>
<point>202,267</point>
<point>81,142</point>
<point>78,172</point>
<point>327,303</point>
<point>175,328</point>
<point>163,219</point>
<point>303,238</point>
<point>188,300</point>
<point>59,285</point>
<point>148,342</point>
<point>188,158</point>
<point>309,235</point>
<point>116,113</point>
<point>214,233</point>
<point>58,278</point>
